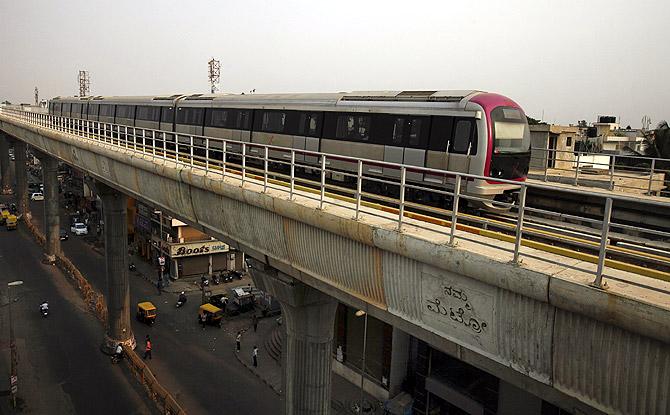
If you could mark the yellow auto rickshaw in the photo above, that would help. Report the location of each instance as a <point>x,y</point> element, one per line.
<point>146,312</point>
<point>3,216</point>
<point>210,314</point>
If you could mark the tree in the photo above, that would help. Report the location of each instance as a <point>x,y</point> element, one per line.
<point>533,121</point>
<point>7,103</point>
<point>657,142</point>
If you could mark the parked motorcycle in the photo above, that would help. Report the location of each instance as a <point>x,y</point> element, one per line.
<point>216,279</point>
<point>204,281</point>
<point>44,309</point>
<point>181,300</point>
<point>131,267</point>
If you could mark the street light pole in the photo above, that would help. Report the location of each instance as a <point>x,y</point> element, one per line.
<point>360,313</point>
<point>13,376</point>
<point>160,245</point>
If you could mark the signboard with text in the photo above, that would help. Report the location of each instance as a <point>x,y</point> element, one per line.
<point>197,248</point>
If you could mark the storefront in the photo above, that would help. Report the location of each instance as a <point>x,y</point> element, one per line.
<point>201,257</point>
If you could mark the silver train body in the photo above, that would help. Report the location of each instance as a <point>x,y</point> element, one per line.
<point>471,132</point>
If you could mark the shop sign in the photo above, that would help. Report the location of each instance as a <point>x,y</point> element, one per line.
<point>197,248</point>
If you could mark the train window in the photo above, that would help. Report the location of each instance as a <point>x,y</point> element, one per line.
<point>217,118</point>
<point>167,114</point>
<point>415,129</point>
<point>93,110</point>
<point>464,138</point>
<point>273,121</point>
<point>57,107</point>
<point>243,117</point>
<point>66,109</point>
<point>190,116</point>
<point>84,109</point>
<point>76,110</point>
<point>353,127</point>
<point>125,111</point>
<point>309,124</point>
<point>148,113</point>
<point>106,110</point>
<point>398,127</point>
<point>440,133</point>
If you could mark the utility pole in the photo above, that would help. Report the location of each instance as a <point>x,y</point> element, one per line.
<point>214,74</point>
<point>37,97</point>
<point>84,83</point>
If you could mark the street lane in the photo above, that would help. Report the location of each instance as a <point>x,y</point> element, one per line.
<point>61,369</point>
<point>197,366</point>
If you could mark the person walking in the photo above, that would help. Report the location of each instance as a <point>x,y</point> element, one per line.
<point>147,348</point>
<point>238,340</point>
<point>254,321</point>
<point>203,320</point>
<point>254,356</point>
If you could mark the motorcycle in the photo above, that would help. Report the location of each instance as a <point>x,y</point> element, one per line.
<point>204,281</point>
<point>44,309</point>
<point>227,277</point>
<point>131,267</point>
<point>181,300</point>
<point>216,279</point>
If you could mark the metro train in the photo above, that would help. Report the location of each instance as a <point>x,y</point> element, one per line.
<point>473,132</point>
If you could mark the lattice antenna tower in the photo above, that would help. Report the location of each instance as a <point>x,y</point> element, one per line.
<point>214,74</point>
<point>37,97</point>
<point>84,83</point>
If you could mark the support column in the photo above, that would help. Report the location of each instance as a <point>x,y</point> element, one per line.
<point>5,181</point>
<point>21,177</point>
<point>51,213</point>
<point>309,318</point>
<point>114,207</point>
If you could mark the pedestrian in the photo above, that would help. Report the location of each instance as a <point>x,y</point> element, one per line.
<point>203,320</point>
<point>254,356</point>
<point>254,321</point>
<point>238,340</point>
<point>147,348</point>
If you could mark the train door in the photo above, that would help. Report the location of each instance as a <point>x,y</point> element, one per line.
<point>393,147</point>
<point>416,140</point>
<point>463,145</point>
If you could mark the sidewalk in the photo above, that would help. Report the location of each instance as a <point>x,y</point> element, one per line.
<point>345,396</point>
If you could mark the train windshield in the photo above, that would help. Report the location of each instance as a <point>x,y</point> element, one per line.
<point>510,130</point>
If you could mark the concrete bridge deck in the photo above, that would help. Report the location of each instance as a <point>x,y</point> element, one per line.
<point>540,325</point>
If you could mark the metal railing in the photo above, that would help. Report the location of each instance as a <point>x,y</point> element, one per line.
<point>274,167</point>
<point>617,172</point>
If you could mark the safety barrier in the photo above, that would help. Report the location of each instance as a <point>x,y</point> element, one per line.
<point>162,398</point>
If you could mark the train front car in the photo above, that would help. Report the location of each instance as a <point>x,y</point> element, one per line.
<point>507,136</point>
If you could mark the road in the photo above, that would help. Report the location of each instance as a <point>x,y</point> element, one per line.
<point>61,369</point>
<point>197,366</point>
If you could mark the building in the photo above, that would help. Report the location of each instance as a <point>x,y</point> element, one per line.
<point>187,251</point>
<point>553,146</point>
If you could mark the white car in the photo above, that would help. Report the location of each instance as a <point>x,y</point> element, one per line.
<point>37,196</point>
<point>79,229</point>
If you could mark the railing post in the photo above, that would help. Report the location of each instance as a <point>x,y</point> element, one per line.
<point>454,209</point>
<point>244,162</point>
<point>290,196</point>
<point>191,140</point>
<point>206,155</point>
<point>176,148</point>
<point>401,210</point>
<point>604,235</point>
<point>223,159</point>
<point>546,164</point>
<point>359,187</point>
<point>519,223</point>
<point>612,172</point>
<point>577,168</point>
<point>153,143</point>
<point>265,169</point>
<point>164,146</point>
<point>323,181</point>
<point>651,175</point>
<point>144,139</point>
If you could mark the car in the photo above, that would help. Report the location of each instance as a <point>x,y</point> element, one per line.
<point>37,196</point>
<point>63,236</point>
<point>79,229</point>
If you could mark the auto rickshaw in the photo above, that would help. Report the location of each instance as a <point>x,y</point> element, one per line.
<point>146,312</point>
<point>213,315</point>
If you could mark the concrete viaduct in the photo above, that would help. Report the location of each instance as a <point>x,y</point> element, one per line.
<point>538,325</point>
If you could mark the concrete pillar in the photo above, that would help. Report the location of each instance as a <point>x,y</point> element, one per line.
<point>51,213</point>
<point>21,177</point>
<point>114,205</point>
<point>5,181</point>
<point>399,358</point>
<point>309,318</point>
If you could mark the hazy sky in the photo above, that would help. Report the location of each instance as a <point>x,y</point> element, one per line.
<point>571,59</point>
